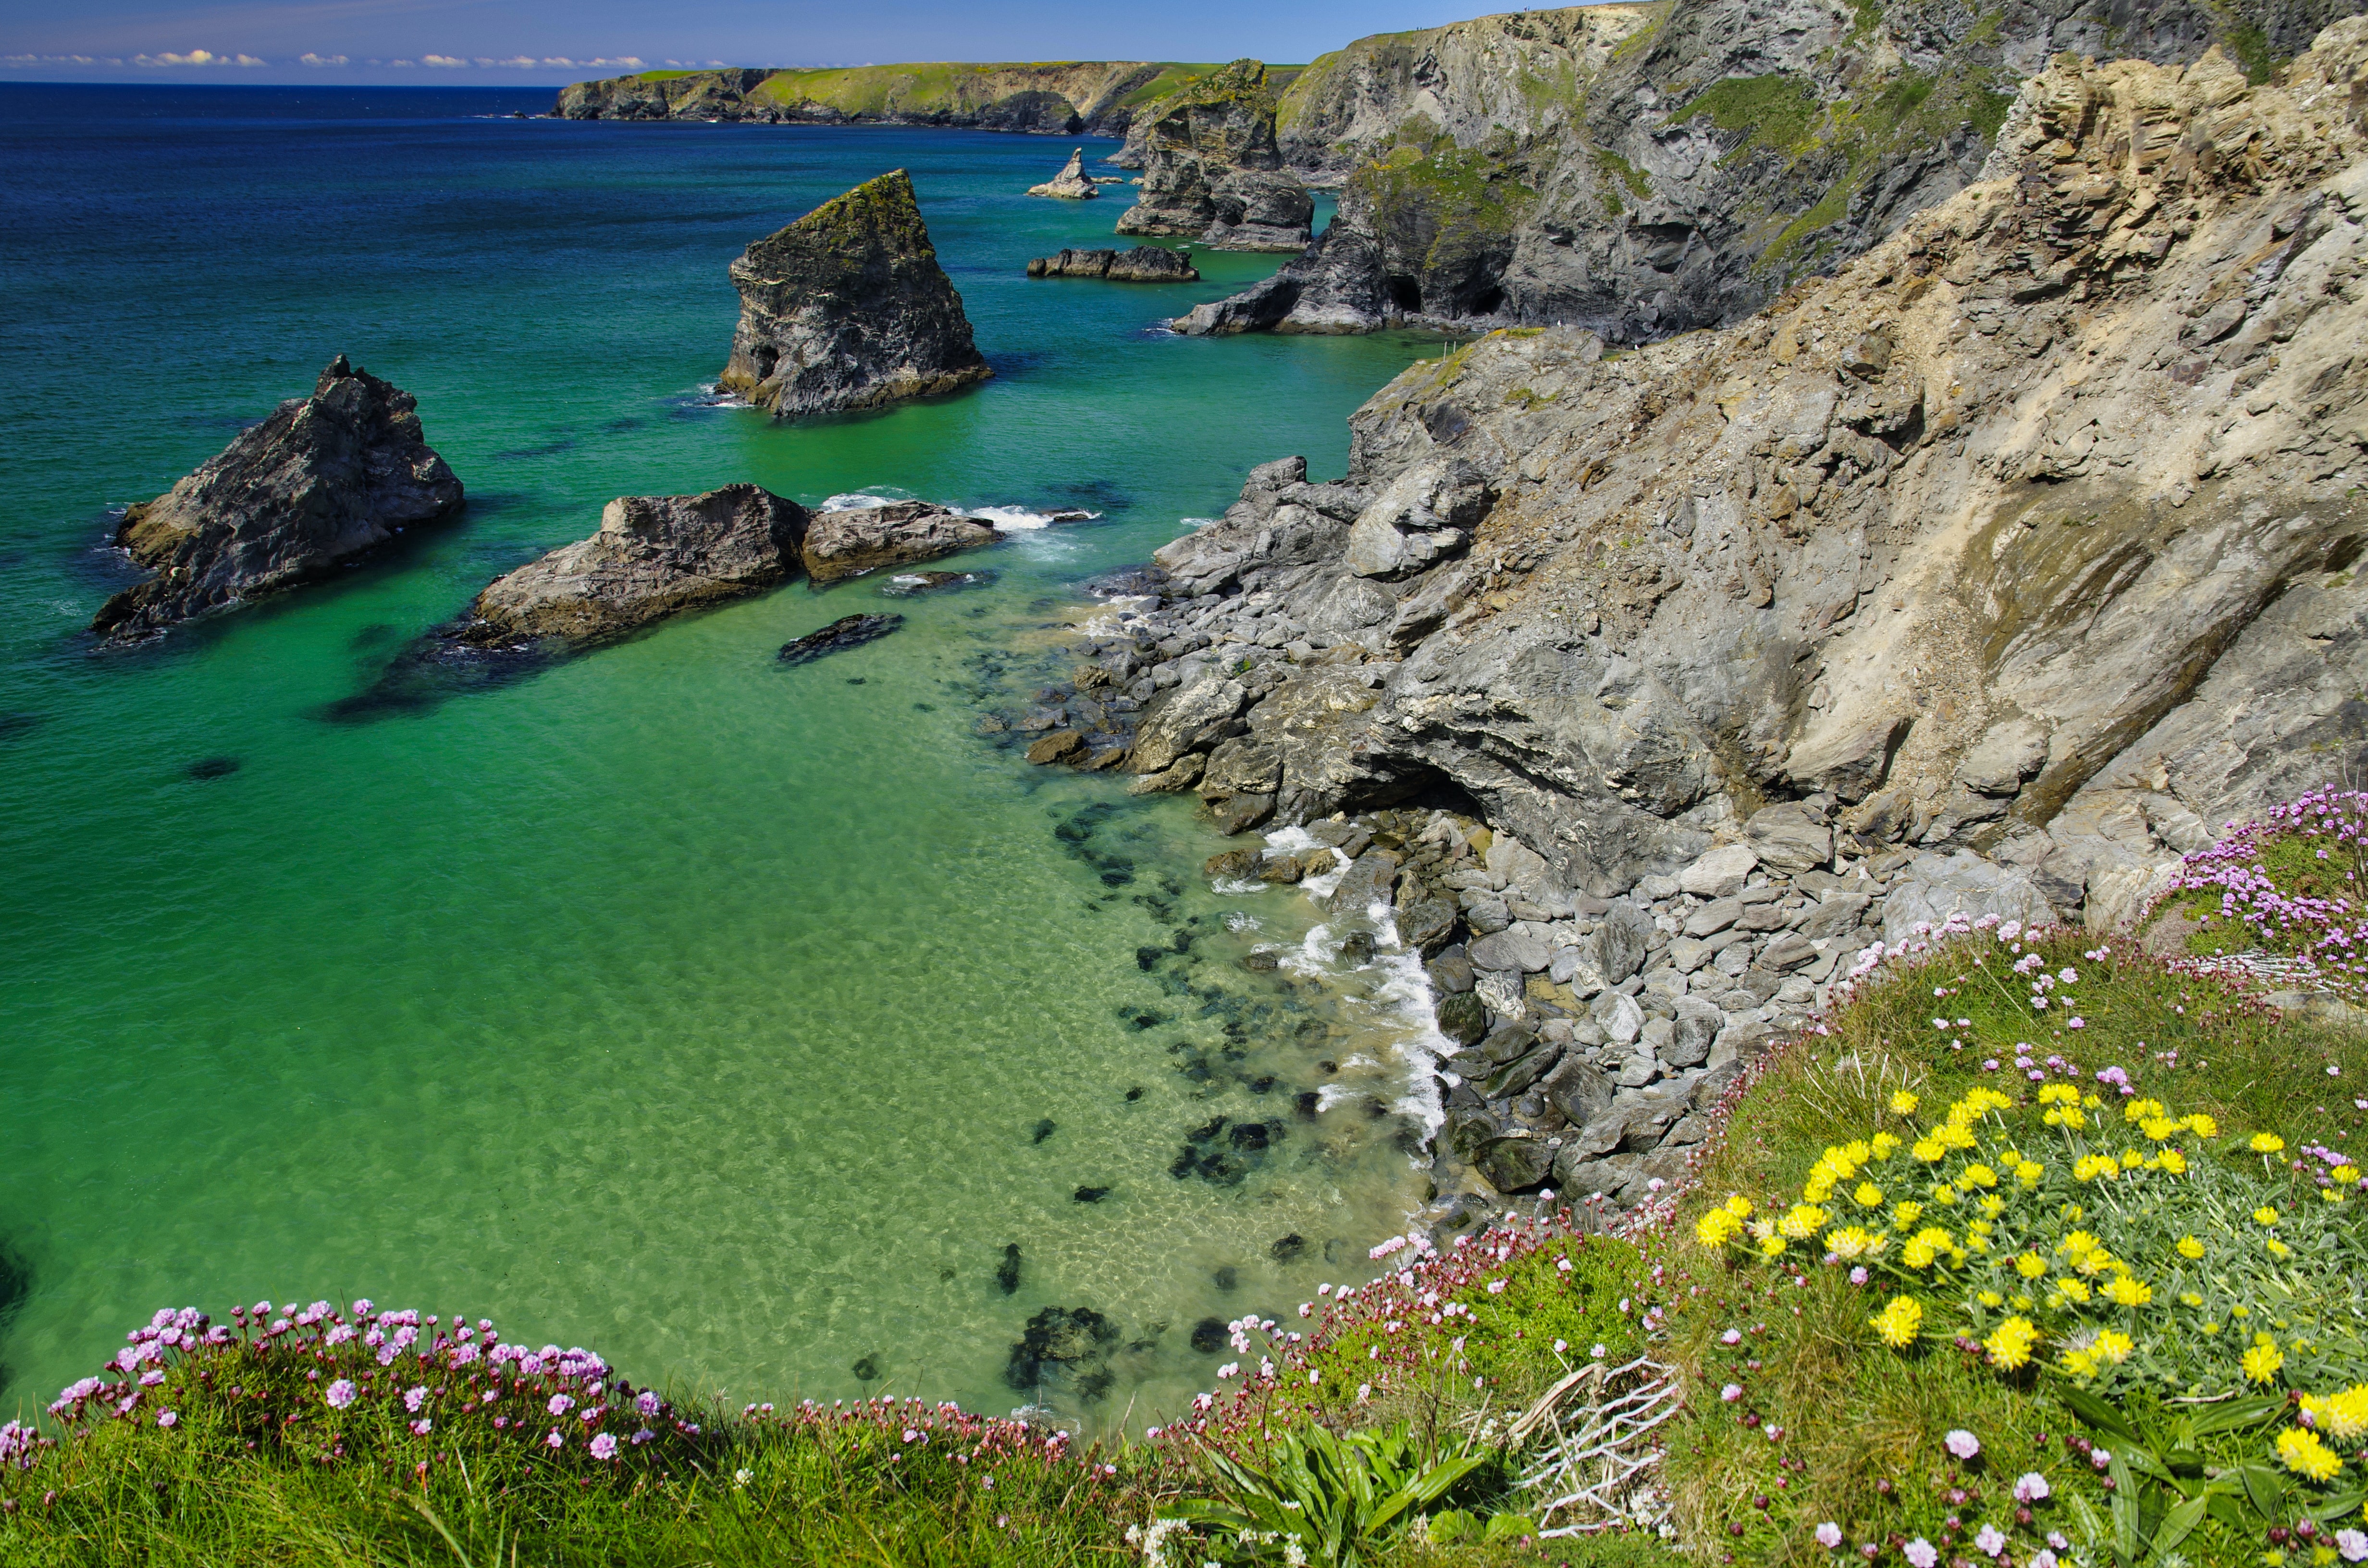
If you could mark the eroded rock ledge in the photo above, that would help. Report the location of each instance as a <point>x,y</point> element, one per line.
<point>1211,171</point>
<point>325,478</point>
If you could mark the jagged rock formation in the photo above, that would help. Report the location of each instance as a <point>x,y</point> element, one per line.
<point>2032,532</point>
<point>1068,99</point>
<point>1211,170</point>
<point>857,540</point>
<point>1143,264</point>
<point>848,308</point>
<point>1645,171</point>
<point>654,555</point>
<point>1070,184</point>
<point>323,479</point>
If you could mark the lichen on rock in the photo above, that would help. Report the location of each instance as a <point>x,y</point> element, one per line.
<point>325,478</point>
<point>848,308</point>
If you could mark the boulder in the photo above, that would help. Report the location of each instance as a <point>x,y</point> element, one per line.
<point>851,541</point>
<point>1692,1033</point>
<point>321,480</point>
<point>1719,872</point>
<point>1184,719</point>
<point>848,308</point>
<point>1143,264</point>
<point>654,555</point>
<point>1367,882</point>
<point>1577,1089</point>
<point>1933,887</point>
<point>1622,933</point>
<point>1426,924</point>
<point>1511,948</point>
<point>1070,184</point>
<point>1462,1017</point>
<point>1514,1164</point>
<point>1061,745</point>
<point>1790,837</point>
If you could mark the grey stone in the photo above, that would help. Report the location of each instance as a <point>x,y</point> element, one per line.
<point>1512,949</point>
<point>1694,1028</point>
<point>1184,720</point>
<point>1578,1090</point>
<point>1576,1175</point>
<point>1514,1164</point>
<point>1933,888</point>
<point>1367,882</point>
<point>1719,871</point>
<point>1622,1018</point>
<point>1789,837</point>
<point>1621,939</point>
<point>1836,915</point>
<point>1462,1017</point>
<point>1713,916</point>
<point>1515,1077</point>
<point>1451,971</point>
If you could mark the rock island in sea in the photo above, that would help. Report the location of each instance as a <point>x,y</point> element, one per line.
<point>848,308</point>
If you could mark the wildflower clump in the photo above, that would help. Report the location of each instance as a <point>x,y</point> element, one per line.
<point>2291,886</point>
<point>2121,1242</point>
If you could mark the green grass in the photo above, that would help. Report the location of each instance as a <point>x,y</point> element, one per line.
<point>1775,110</point>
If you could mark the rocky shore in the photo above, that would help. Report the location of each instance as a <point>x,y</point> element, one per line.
<point>848,308</point>
<point>1143,264</point>
<point>324,479</point>
<point>1754,649</point>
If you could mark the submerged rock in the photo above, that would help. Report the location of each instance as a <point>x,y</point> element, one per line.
<point>1211,170</point>
<point>849,631</point>
<point>863,538</point>
<point>323,479</point>
<point>848,308</point>
<point>1143,264</point>
<point>654,556</point>
<point>1070,184</point>
<point>912,585</point>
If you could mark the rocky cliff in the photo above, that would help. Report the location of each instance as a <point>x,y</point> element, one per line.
<point>2031,531</point>
<point>323,479</point>
<point>1061,98</point>
<point>848,308</point>
<point>1645,171</point>
<point>654,556</point>
<point>1211,170</point>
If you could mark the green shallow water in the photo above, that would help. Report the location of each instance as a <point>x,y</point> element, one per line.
<point>669,1003</point>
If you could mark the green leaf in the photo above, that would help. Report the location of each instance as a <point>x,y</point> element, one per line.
<point>2177,1525</point>
<point>2264,1491</point>
<point>1510,1527</point>
<point>2128,1538</point>
<point>2096,1413</point>
<point>2236,1414</point>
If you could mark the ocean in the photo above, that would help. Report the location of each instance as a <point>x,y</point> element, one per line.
<point>733,1021</point>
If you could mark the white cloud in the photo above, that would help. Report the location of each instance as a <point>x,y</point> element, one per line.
<point>445,62</point>
<point>311,59</point>
<point>194,57</point>
<point>21,60</point>
<point>404,65</point>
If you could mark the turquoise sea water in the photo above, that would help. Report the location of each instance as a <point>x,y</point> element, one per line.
<point>670,1003</point>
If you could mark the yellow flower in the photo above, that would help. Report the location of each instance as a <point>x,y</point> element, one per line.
<point>1716,1228</point>
<point>1989,1298</point>
<point>2347,1174</point>
<point>2279,1249</point>
<point>1926,1150</point>
<point>2158,1128</point>
<point>2190,1299</point>
<point>2029,1172</point>
<point>1868,1194</point>
<point>2073,1290</point>
<point>2128,1292</point>
<point>1882,1144</point>
<point>2202,1126</point>
<point>2263,1360</point>
<point>2174,1162</point>
<point>2332,1194</point>
<point>2132,1159</point>
<point>2059,1094</point>
<point>1977,1175</point>
<point>2240,1312</point>
<point>2064,1116</point>
<point>2268,1144</point>
<point>1852,1241</point>
<point>2111,1346</point>
<point>2095,1263</point>
<point>2030,1265</point>
<point>2265,1216</point>
<point>2079,1243</point>
<point>2344,1416</point>
<point>1738,1205</point>
<point>2189,1247</point>
<point>2300,1451</point>
<point>2089,1167</point>
<point>1944,1194</point>
<point>1918,1253</point>
<point>1899,1322</point>
<point>2142,1111</point>
<point>1802,1223</point>
<point>1952,1135</point>
<point>1770,1245</point>
<point>2010,1347</point>
<point>1903,1103</point>
<point>2079,1363</point>
<point>1907,1214</point>
<point>1817,1189</point>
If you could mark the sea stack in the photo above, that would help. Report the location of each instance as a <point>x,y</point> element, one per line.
<point>323,479</point>
<point>848,308</point>
<point>1070,184</point>
<point>1143,264</point>
<point>654,555</point>
<point>1211,170</point>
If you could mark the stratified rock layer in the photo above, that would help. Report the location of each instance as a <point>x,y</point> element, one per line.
<point>1143,264</point>
<point>848,308</point>
<point>1211,171</point>
<point>323,479</point>
<point>1070,184</point>
<point>654,555</point>
<point>2033,532</point>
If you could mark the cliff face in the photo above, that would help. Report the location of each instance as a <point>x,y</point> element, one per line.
<point>848,308</point>
<point>325,478</point>
<point>2033,530</point>
<point>1644,172</point>
<point>1211,170</point>
<point>1061,98</point>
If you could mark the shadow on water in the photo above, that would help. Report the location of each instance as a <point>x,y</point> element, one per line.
<point>432,670</point>
<point>16,1285</point>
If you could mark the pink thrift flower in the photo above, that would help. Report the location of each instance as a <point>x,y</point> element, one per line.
<point>604,1447</point>
<point>1829,1535</point>
<point>1990,1542</point>
<point>560,1404</point>
<point>2032,1488</point>
<point>166,1418</point>
<point>1962,1443</point>
<point>1731,1392</point>
<point>555,1440</point>
<point>1920,1553</point>
<point>341,1393</point>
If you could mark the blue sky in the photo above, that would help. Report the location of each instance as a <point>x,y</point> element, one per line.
<point>518,42</point>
